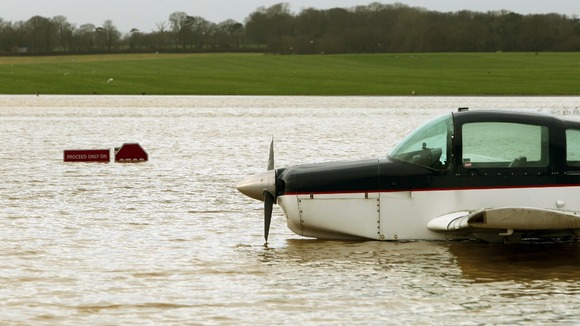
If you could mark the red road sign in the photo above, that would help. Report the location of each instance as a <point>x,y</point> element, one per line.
<point>87,155</point>
<point>131,152</point>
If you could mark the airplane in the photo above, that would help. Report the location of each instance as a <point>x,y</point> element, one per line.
<point>490,175</point>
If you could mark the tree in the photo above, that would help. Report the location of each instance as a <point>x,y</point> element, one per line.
<point>272,27</point>
<point>376,27</point>
<point>7,42</point>
<point>41,33</point>
<point>85,36</point>
<point>134,38</point>
<point>64,32</point>
<point>160,37</point>
<point>112,35</point>
<point>199,31</point>
<point>229,34</point>
<point>178,21</point>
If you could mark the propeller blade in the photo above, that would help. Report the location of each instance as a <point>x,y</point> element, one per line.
<point>271,156</point>
<point>268,204</point>
<point>268,197</point>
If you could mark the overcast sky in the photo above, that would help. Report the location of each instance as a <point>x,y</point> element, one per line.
<point>145,14</point>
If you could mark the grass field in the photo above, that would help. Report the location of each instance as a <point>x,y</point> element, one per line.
<point>259,74</point>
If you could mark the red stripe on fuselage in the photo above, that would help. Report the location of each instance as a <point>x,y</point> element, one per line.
<point>430,189</point>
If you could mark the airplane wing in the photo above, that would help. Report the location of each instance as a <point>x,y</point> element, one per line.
<point>507,220</point>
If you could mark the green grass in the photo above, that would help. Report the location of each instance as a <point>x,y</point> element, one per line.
<point>258,74</point>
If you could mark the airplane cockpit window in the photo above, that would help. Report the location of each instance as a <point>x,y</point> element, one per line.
<point>573,147</point>
<point>504,145</point>
<point>429,145</point>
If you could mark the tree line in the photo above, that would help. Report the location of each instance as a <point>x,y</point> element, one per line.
<point>374,28</point>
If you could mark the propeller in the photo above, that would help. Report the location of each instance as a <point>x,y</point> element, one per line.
<point>269,198</point>
<point>268,205</point>
<point>271,156</point>
<point>263,187</point>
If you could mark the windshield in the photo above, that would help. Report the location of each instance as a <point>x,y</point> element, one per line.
<point>428,145</point>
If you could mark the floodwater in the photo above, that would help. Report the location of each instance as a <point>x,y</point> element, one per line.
<point>171,242</point>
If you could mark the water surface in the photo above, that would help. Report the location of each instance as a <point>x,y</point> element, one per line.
<point>171,241</point>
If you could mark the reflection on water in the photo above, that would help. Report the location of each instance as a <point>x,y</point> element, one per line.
<point>477,261</point>
<point>171,241</point>
<point>489,262</point>
<point>448,281</point>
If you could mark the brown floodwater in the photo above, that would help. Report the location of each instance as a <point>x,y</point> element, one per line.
<point>171,241</point>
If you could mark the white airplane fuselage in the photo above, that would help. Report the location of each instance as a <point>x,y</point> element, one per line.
<point>491,175</point>
<point>403,215</point>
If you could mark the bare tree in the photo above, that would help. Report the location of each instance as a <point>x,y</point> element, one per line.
<point>373,28</point>
<point>85,37</point>
<point>134,38</point>
<point>64,32</point>
<point>111,33</point>
<point>41,34</point>
<point>178,21</point>
<point>160,35</point>
<point>229,34</point>
<point>271,26</point>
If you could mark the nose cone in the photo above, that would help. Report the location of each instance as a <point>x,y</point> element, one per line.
<point>255,185</point>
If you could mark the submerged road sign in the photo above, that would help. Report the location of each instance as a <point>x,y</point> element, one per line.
<point>130,152</point>
<point>87,155</point>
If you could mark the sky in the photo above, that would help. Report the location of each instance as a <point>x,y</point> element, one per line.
<point>145,15</point>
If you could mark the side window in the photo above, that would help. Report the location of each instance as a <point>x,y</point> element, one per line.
<point>573,147</point>
<point>504,145</point>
